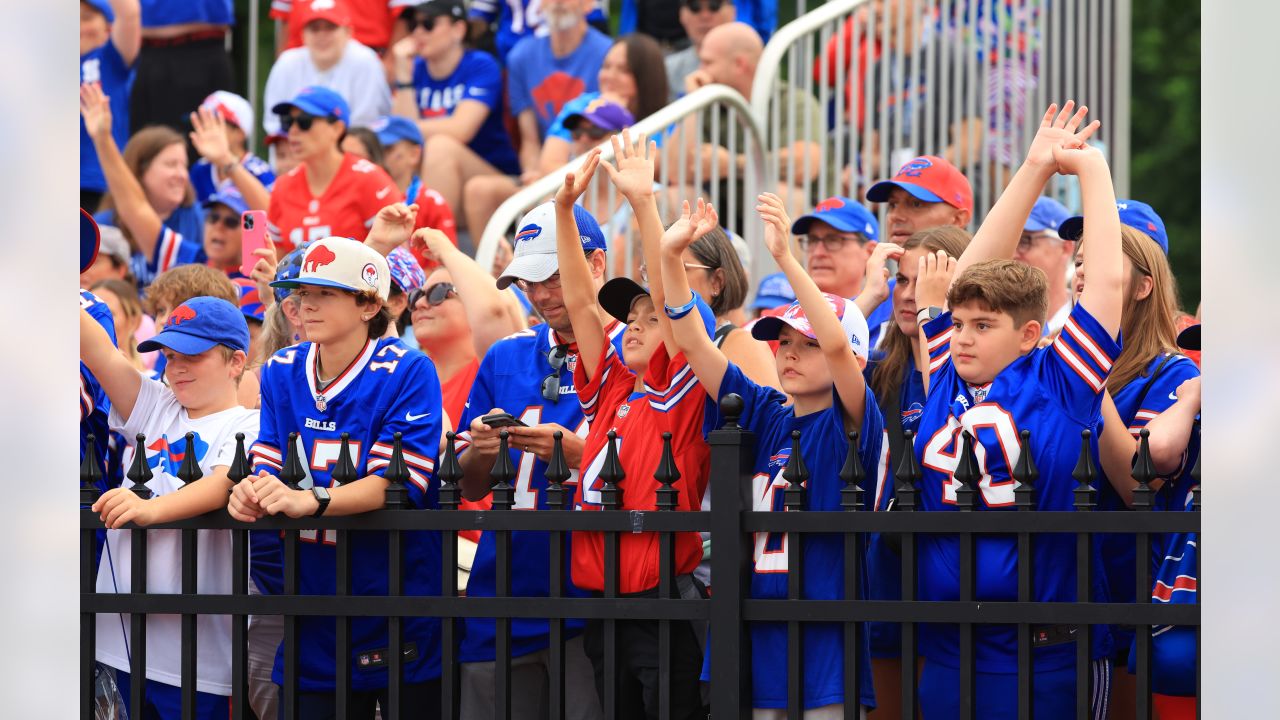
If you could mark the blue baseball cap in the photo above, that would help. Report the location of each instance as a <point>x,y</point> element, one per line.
<point>90,240</point>
<point>103,7</point>
<point>619,294</point>
<point>535,257</point>
<point>288,268</point>
<point>774,291</point>
<point>391,129</point>
<point>1134,213</point>
<point>228,197</point>
<point>843,214</point>
<point>1046,214</point>
<point>199,324</point>
<point>318,101</point>
<point>250,300</point>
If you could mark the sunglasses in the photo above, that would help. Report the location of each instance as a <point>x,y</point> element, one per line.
<point>435,294</point>
<point>230,222</point>
<point>551,383</point>
<point>303,121</point>
<point>592,131</point>
<point>712,6</point>
<point>427,23</point>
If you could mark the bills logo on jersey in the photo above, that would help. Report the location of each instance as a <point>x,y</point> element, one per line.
<point>911,414</point>
<point>369,274</point>
<point>528,232</point>
<point>318,258</point>
<point>180,315</point>
<point>831,203</point>
<point>167,456</point>
<point>780,458</point>
<point>916,167</point>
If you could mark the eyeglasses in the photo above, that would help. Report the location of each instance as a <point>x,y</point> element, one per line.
<point>594,132</point>
<point>427,23</point>
<point>230,222</point>
<point>435,294</point>
<point>711,6</point>
<point>551,283</point>
<point>302,120</point>
<point>551,383</point>
<point>1029,239</point>
<point>832,242</point>
<point>644,270</point>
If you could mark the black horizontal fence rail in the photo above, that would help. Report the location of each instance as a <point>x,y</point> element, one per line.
<point>729,610</point>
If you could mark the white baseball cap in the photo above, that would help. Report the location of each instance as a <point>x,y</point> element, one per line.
<point>855,325</point>
<point>342,263</point>
<point>535,243</point>
<point>234,109</point>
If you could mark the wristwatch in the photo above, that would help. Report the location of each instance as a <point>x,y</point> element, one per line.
<point>322,497</point>
<point>924,315</point>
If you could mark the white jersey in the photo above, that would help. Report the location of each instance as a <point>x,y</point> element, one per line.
<point>165,423</point>
<point>358,77</point>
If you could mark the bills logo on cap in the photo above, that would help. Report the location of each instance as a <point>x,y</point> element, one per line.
<point>318,258</point>
<point>916,167</point>
<point>528,232</point>
<point>180,315</point>
<point>370,274</point>
<point>800,321</point>
<point>832,203</point>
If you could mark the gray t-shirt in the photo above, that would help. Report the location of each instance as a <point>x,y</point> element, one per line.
<point>679,65</point>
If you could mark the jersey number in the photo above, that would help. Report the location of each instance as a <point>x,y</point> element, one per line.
<point>324,454</point>
<point>771,548</point>
<point>388,365</point>
<point>316,232</point>
<point>942,452</point>
<point>526,495</point>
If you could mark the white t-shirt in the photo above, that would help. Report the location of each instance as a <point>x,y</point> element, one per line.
<point>358,77</point>
<point>158,415</point>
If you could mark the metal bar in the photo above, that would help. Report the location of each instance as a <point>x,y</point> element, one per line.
<point>251,85</point>
<point>502,626</point>
<point>887,138</point>
<point>795,630</point>
<point>555,648</point>
<point>1118,139</point>
<point>1142,635</point>
<point>1084,578</point>
<point>291,582</point>
<point>88,624</point>
<point>910,653</point>
<point>971,89</point>
<point>732,456</point>
<point>240,627</point>
<point>138,621</point>
<point>852,636</point>
<point>395,642</point>
<point>1106,61</point>
<point>806,81</point>
<point>189,649</point>
<point>342,633</point>
<point>928,144</point>
<point>716,149</point>
<point>732,201</point>
<point>450,674</point>
<point>912,117</point>
<point>610,701</point>
<point>666,590</point>
<point>1026,666</point>
<point>824,102</point>
<point>968,653</point>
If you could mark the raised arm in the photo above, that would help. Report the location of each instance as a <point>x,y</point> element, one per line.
<point>688,333</point>
<point>209,138</point>
<point>117,376</point>
<point>485,304</point>
<point>126,31</point>
<point>933,277</point>
<point>845,370</point>
<point>1103,294</point>
<point>130,199</point>
<point>575,274</point>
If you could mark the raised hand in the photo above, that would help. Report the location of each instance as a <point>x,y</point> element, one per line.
<point>876,284</point>
<point>777,225</point>
<point>576,183</point>
<point>1060,131</point>
<point>1074,160</point>
<point>690,226</point>
<point>634,173</point>
<point>704,219</point>
<point>264,271</point>
<point>392,226</point>
<point>95,108</point>
<point>432,243</point>
<point>209,137</point>
<point>934,279</point>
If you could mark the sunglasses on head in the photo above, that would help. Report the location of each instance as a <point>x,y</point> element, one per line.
<point>594,132</point>
<point>435,294</point>
<point>551,383</point>
<point>302,120</point>
<point>230,222</point>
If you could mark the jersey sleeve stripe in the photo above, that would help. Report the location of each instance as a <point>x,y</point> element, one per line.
<point>937,363</point>
<point>1146,415</point>
<point>86,402</point>
<point>1078,365</point>
<point>672,400</point>
<point>941,338</point>
<point>413,459</point>
<point>1083,340</point>
<point>589,405</point>
<point>169,242</point>
<point>661,394</point>
<point>882,472</point>
<point>1163,592</point>
<point>462,441</point>
<point>262,451</point>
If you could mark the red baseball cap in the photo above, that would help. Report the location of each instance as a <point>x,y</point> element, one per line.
<point>335,11</point>
<point>928,178</point>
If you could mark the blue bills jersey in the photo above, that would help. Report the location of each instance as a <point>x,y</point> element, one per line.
<point>824,445</point>
<point>1055,392</point>
<point>94,405</point>
<point>511,377</point>
<point>477,77</point>
<point>387,389</point>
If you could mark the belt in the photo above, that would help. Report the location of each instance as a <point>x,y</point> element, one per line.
<point>184,39</point>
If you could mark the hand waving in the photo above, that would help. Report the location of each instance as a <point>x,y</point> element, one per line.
<point>95,108</point>
<point>634,173</point>
<point>209,137</point>
<point>777,226</point>
<point>393,225</point>
<point>1059,132</point>
<point>690,227</point>
<point>576,183</point>
<point>1073,160</point>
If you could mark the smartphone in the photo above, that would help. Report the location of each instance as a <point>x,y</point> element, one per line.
<point>501,420</point>
<point>254,236</point>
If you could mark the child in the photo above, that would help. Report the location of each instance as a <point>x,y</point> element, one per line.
<point>348,378</point>
<point>204,341</point>
<point>986,377</point>
<point>820,358</point>
<point>647,392</point>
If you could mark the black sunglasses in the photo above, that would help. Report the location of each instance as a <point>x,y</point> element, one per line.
<point>592,131</point>
<point>551,383</point>
<point>230,222</point>
<point>712,6</point>
<point>426,22</point>
<point>435,294</point>
<point>302,120</point>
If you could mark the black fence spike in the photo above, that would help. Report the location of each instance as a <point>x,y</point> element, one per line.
<point>1026,473</point>
<point>503,472</point>
<point>240,467</point>
<point>397,475</point>
<point>292,473</point>
<point>557,474</point>
<point>611,474</point>
<point>1144,471</point>
<point>189,471</point>
<point>1084,474</point>
<point>90,471</point>
<point>966,474</point>
<point>853,475</point>
<point>668,497</point>
<point>907,475</point>
<point>450,473</point>
<point>345,470</point>
<point>139,472</point>
<point>796,473</point>
<point>731,408</point>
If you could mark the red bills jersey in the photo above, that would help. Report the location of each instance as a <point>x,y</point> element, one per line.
<point>672,401</point>
<point>346,208</point>
<point>371,20</point>
<point>433,212</point>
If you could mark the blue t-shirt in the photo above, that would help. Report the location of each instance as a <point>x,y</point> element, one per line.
<point>519,19</point>
<point>105,65</point>
<point>536,78</point>
<point>95,407</point>
<point>202,176</point>
<point>759,14</point>
<point>159,13</point>
<point>510,377</point>
<point>181,242</point>
<point>824,445</point>
<point>477,77</point>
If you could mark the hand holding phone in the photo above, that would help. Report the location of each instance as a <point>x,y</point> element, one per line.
<point>501,420</point>
<point>253,237</point>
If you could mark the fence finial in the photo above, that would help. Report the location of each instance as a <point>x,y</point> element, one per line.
<point>611,474</point>
<point>345,470</point>
<point>731,407</point>
<point>90,472</point>
<point>668,497</point>
<point>396,475</point>
<point>907,474</point>
<point>292,473</point>
<point>503,472</point>
<point>796,474</point>
<point>1084,474</point>
<point>450,473</point>
<point>1144,471</point>
<point>853,475</point>
<point>189,471</point>
<point>240,467</point>
<point>967,473</point>
<point>557,473</point>
<point>139,471</point>
<point>1026,473</point>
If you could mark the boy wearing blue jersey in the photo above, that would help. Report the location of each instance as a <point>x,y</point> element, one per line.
<point>822,348</point>
<point>987,379</point>
<point>348,378</point>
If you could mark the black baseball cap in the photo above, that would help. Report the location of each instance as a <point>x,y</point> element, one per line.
<point>439,8</point>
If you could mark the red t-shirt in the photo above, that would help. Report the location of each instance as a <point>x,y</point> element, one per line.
<point>346,208</point>
<point>371,20</point>
<point>673,401</point>
<point>434,212</point>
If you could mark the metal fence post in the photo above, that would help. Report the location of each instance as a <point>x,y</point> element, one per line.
<point>731,461</point>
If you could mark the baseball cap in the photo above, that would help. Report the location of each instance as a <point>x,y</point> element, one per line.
<point>113,243</point>
<point>1189,338</point>
<point>406,273</point>
<point>250,301</point>
<point>928,178</point>
<point>233,108</point>
<point>198,324</point>
<point>318,101</point>
<point>843,214</point>
<point>335,11</point>
<point>103,7</point>
<point>391,129</point>
<point>619,294</point>
<point>535,243</point>
<point>89,240</point>
<point>1134,213</point>
<point>604,114</point>
<point>437,8</point>
<point>855,325</point>
<point>774,291</point>
<point>1046,214</point>
<point>342,263</point>
<point>288,269</point>
<point>228,197</point>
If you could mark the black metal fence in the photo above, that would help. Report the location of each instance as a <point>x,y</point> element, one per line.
<point>728,610</point>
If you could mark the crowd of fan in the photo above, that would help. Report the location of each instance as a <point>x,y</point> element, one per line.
<point>392,140</point>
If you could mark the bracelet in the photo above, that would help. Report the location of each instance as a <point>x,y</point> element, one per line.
<point>404,86</point>
<point>678,312</point>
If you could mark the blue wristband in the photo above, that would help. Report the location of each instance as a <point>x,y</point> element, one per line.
<point>678,312</point>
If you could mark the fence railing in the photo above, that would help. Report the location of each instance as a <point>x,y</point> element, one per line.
<point>728,611</point>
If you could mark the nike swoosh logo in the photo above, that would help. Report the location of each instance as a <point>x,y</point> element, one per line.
<point>382,193</point>
<point>408,417</point>
<point>1173,396</point>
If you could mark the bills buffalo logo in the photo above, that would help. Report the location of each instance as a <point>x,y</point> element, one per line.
<point>318,258</point>
<point>180,315</point>
<point>528,232</point>
<point>166,456</point>
<point>1151,226</point>
<point>831,203</point>
<point>370,274</point>
<point>780,458</point>
<point>916,167</point>
<point>911,414</point>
